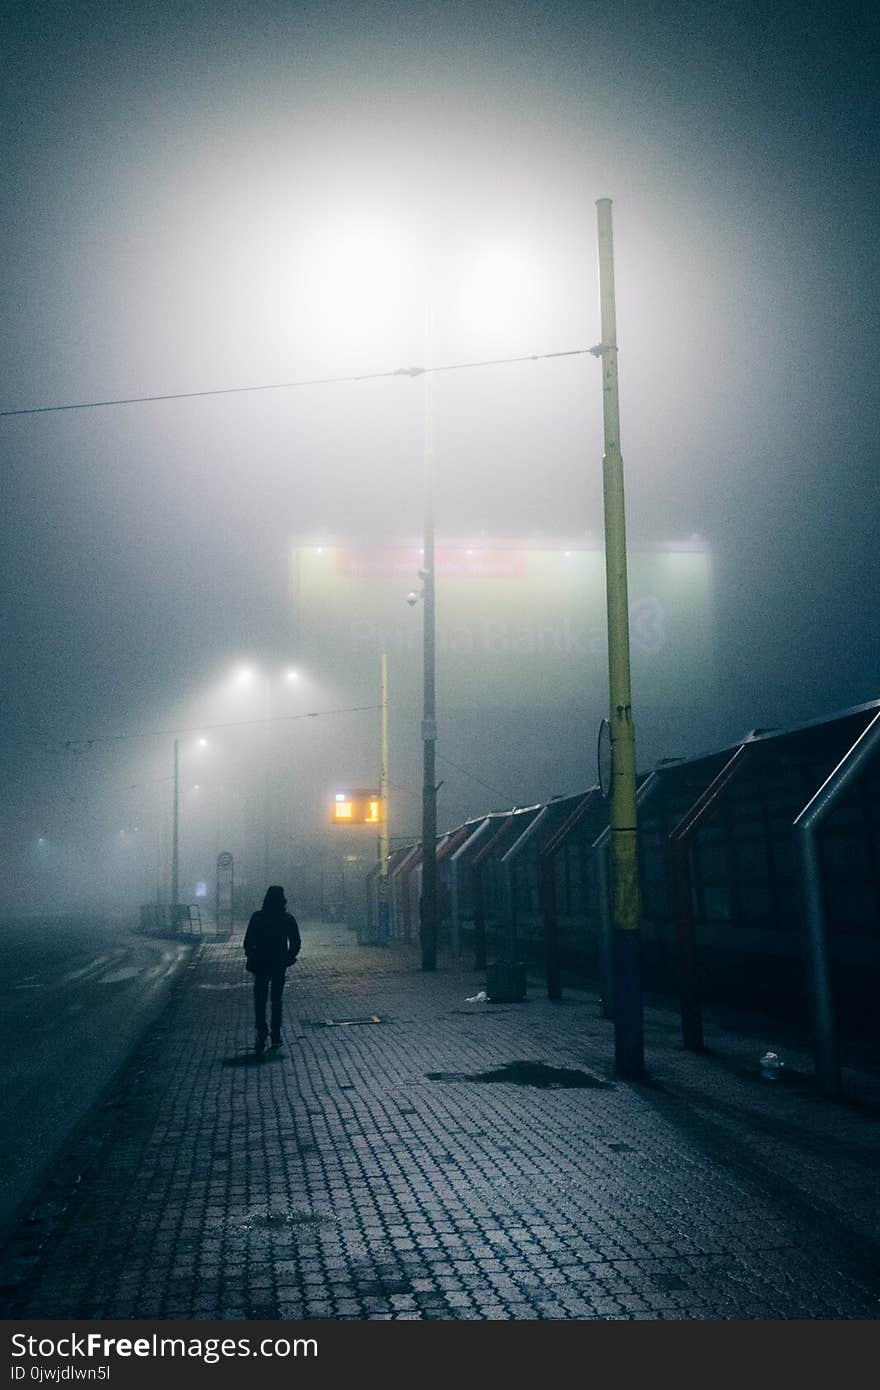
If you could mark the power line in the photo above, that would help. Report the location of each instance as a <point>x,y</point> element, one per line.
<point>442,758</point>
<point>465,772</point>
<point>76,745</point>
<point>291,385</point>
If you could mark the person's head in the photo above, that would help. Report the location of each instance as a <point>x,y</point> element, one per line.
<point>274,901</point>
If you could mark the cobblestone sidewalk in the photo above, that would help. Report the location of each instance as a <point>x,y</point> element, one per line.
<point>453,1160</point>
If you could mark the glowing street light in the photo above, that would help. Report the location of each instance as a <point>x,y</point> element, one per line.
<point>366,275</point>
<point>249,676</point>
<point>490,285</point>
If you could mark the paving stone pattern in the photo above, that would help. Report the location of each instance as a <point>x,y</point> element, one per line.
<point>335,1180</point>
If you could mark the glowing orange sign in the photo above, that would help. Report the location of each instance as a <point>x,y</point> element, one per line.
<point>358,807</point>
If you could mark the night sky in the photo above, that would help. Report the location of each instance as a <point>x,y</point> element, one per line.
<point>183,188</point>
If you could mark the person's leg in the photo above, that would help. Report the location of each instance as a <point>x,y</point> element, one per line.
<point>261,993</point>
<point>277,991</point>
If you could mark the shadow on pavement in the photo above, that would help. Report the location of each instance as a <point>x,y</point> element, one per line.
<point>724,1135</point>
<point>528,1074</point>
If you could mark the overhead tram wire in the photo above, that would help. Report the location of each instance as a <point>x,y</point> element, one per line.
<point>442,758</point>
<point>75,744</point>
<point>292,385</point>
<point>78,745</point>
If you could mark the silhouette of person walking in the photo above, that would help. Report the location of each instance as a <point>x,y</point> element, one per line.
<point>271,944</point>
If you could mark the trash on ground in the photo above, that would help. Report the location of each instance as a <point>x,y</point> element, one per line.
<point>771,1066</point>
<point>350,1022</point>
<point>479,998</point>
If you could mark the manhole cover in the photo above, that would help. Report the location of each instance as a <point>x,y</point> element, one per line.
<point>527,1074</point>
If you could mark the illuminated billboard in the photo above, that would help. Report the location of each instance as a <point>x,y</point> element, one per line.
<point>519,626</point>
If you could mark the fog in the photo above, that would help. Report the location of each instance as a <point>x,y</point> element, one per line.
<point>197,200</point>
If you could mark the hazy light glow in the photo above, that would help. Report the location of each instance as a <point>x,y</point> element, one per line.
<point>493,291</point>
<point>358,283</point>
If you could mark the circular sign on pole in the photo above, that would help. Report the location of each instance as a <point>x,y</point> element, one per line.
<point>224,860</point>
<point>603,758</point>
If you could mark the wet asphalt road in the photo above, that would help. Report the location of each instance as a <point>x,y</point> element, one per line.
<point>76,994</point>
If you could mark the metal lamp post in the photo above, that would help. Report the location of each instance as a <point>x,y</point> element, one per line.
<point>629,1049</point>
<point>428,904</point>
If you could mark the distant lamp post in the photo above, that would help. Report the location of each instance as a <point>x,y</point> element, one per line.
<point>246,675</point>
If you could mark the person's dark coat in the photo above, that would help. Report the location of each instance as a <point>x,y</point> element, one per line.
<point>272,940</point>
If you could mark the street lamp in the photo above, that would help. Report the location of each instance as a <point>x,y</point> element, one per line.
<point>248,675</point>
<point>488,293</point>
<point>367,274</point>
<point>428,903</point>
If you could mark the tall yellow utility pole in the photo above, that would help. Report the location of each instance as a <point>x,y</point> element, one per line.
<point>629,1050</point>
<point>382,926</point>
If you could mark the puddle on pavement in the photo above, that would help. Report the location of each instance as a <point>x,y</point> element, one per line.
<point>116,977</point>
<point>537,1074</point>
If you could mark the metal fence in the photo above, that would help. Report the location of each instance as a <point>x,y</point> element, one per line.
<point>731,906</point>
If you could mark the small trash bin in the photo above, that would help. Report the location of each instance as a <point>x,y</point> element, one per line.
<point>506,981</point>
